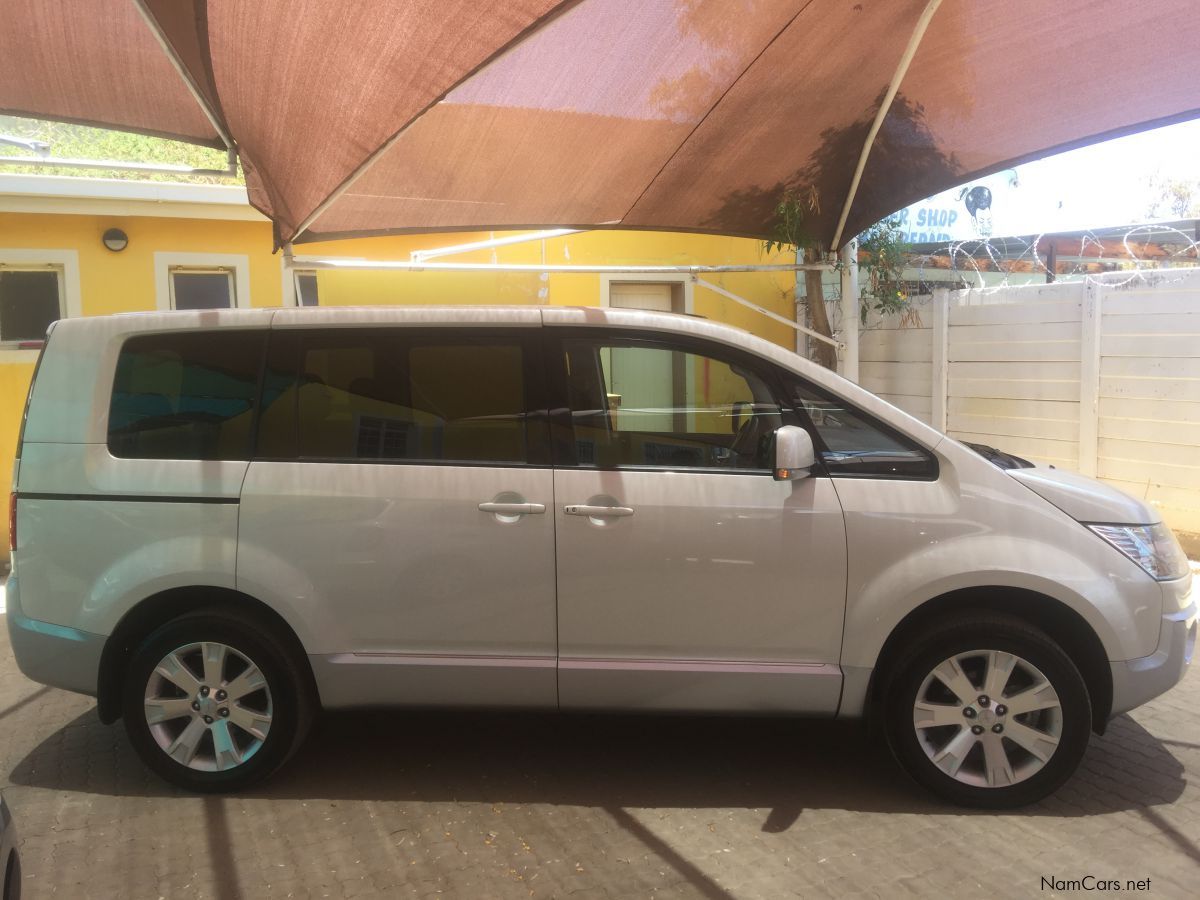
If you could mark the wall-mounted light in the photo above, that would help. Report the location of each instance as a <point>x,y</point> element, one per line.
<point>115,240</point>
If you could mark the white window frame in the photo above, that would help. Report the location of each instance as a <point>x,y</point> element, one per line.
<point>290,292</point>
<point>66,262</point>
<point>166,262</point>
<point>287,283</point>
<point>607,279</point>
<point>296,273</point>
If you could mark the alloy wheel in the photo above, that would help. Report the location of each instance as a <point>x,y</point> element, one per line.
<point>988,718</point>
<point>208,706</point>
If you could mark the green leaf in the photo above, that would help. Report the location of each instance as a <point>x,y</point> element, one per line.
<point>83,142</point>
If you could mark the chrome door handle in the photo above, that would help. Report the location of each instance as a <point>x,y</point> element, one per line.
<point>598,512</point>
<point>513,509</point>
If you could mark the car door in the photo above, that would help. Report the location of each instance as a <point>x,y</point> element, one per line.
<point>688,578</point>
<point>398,512</point>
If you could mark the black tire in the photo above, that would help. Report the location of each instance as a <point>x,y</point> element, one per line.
<point>12,877</point>
<point>291,698</point>
<point>986,631</point>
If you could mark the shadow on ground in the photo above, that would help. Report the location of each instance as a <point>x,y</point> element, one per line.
<point>784,765</point>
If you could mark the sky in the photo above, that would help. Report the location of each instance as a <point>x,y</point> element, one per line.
<point>1092,187</point>
<point>1109,180</point>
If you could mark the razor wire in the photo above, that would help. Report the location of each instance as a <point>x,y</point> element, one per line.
<point>1145,249</point>
<point>1144,254</point>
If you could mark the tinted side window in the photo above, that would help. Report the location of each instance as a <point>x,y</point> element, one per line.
<point>854,444</point>
<point>277,433</point>
<point>635,403</point>
<point>380,396</point>
<point>186,395</point>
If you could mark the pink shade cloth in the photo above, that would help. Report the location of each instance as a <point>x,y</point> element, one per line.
<point>687,115</point>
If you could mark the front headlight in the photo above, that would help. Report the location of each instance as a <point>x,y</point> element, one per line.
<point>1153,547</point>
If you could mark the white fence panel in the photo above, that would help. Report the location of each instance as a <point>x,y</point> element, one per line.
<point>894,358</point>
<point>1100,377</point>
<point>1149,407</point>
<point>1112,407</point>
<point>1014,370</point>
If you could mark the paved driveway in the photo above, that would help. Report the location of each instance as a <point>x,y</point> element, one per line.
<point>477,806</point>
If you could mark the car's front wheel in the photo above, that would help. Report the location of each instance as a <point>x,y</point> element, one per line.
<point>213,702</point>
<point>986,710</point>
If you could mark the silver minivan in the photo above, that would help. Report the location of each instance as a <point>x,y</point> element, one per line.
<point>226,521</point>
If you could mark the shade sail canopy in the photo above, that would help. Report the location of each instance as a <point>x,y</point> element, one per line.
<point>693,115</point>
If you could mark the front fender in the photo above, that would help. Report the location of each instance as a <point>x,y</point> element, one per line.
<point>1123,607</point>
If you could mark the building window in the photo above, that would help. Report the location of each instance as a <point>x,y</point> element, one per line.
<point>30,300</point>
<point>201,280</point>
<point>306,289</point>
<point>194,288</point>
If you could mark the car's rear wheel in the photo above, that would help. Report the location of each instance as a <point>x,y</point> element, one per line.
<point>12,877</point>
<point>214,702</point>
<point>988,711</point>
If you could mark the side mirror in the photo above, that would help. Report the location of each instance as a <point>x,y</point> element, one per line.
<point>792,454</point>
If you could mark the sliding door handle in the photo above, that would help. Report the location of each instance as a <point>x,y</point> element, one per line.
<point>513,509</point>
<point>598,512</point>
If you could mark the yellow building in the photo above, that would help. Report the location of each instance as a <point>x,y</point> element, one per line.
<point>182,246</point>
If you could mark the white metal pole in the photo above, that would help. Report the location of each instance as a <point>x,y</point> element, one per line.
<point>850,300</point>
<point>421,255</point>
<point>348,262</point>
<point>288,273</point>
<point>909,52</point>
<point>230,170</point>
<point>213,119</point>
<point>1089,377</point>
<point>730,295</point>
<point>939,387</point>
<point>800,306</point>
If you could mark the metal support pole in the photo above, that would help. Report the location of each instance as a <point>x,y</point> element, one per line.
<point>347,262</point>
<point>909,52</point>
<point>730,295</point>
<point>526,237</point>
<point>292,262</point>
<point>939,383</point>
<point>230,170</point>
<point>850,298</point>
<point>194,89</point>
<point>801,337</point>
<point>1089,377</point>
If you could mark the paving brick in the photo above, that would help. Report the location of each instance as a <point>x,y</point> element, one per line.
<point>521,806</point>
